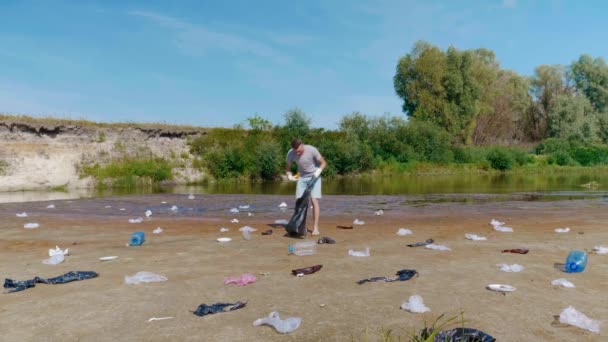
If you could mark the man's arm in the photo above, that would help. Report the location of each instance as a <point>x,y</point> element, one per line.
<point>322,165</point>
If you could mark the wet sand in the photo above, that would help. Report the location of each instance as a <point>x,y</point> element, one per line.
<point>333,307</point>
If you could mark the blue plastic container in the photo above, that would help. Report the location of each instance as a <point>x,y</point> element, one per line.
<point>137,239</point>
<point>576,262</point>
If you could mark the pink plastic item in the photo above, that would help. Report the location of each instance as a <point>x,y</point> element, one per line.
<point>242,280</point>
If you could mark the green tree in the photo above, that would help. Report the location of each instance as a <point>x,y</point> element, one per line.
<point>572,117</point>
<point>591,78</point>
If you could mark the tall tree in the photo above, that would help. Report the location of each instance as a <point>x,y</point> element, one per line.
<point>591,77</point>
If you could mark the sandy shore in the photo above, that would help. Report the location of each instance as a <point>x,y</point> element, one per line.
<point>333,307</point>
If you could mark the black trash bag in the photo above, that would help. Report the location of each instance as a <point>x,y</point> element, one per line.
<point>205,309</point>
<point>20,285</point>
<point>297,223</point>
<point>458,335</point>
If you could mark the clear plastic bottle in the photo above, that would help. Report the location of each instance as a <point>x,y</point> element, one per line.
<point>576,262</point>
<point>303,248</point>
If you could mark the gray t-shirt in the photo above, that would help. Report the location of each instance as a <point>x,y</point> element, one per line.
<point>308,162</point>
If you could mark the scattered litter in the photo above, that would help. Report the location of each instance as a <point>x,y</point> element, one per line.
<point>306,270</point>
<point>23,214</point>
<point>463,334</point>
<point>326,240</point>
<point>354,253</point>
<point>510,268</point>
<point>562,282</point>
<point>600,250</point>
<point>495,223</point>
<point>415,304</point>
<point>249,214</point>
<point>242,280</point>
<point>54,260</point>
<point>401,275</point>
<point>108,258</point>
<point>62,279</point>
<point>163,202</point>
<point>122,209</point>
<point>108,206</point>
<point>475,237</point>
<point>379,212</point>
<point>244,206</point>
<point>144,277</point>
<point>205,309</point>
<point>281,222</point>
<point>404,231</point>
<point>498,226</point>
<point>158,230</point>
<point>247,229</point>
<point>224,239</point>
<point>234,221</point>
<point>579,319</point>
<point>419,244</point>
<point>137,239</point>
<point>174,208</point>
<point>234,211</point>
<point>246,235</point>
<point>437,247</point>
<point>50,206</point>
<point>268,232</point>
<point>265,273</point>
<point>283,205</point>
<point>191,196</point>
<point>501,288</point>
<point>223,230</point>
<point>283,326</point>
<point>137,220</point>
<point>58,250</point>
<point>516,250</point>
<point>358,222</point>
<point>158,318</point>
<point>31,225</point>
<point>562,230</point>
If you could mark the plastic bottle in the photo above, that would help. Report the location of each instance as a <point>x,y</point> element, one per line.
<point>576,262</point>
<point>137,239</point>
<point>303,248</point>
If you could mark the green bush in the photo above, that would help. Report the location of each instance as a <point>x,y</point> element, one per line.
<point>267,160</point>
<point>225,162</point>
<point>552,145</point>
<point>130,171</point>
<point>500,159</point>
<point>591,155</point>
<point>430,142</point>
<point>560,158</point>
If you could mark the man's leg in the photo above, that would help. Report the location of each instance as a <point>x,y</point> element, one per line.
<point>315,216</point>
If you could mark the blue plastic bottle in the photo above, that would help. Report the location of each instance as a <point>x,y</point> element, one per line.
<point>137,239</point>
<point>576,262</point>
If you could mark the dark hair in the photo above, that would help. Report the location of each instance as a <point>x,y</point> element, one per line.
<point>295,142</point>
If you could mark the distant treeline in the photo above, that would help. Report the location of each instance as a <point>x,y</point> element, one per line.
<point>462,110</point>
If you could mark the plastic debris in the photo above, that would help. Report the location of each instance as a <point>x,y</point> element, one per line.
<point>562,282</point>
<point>23,214</point>
<point>163,202</point>
<point>283,205</point>
<point>501,288</point>
<point>358,222</point>
<point>234,211</point>
<point>224,239</point>
<point>458,335</point>
<point>379,212</point>
<point>281,222</point>
<point>223,230</point>
<point>108,206</point>
<point>562,230</point>
<point>401,275</point>
<point>247,229</point>
<point>249,214</point>
<point>354,253</point>
<point>495,223</point>
<point>144,277</point>
<point>234,221</point>
<point>404,231</point>
<point>31,225</point>
<point>246,206</point>
<point>191,196</point>
<point>54,260</point>
<point>148,213</point>
<point>50,206</point>
<point>246,235</point>
<point>174,208</point>
<point>579,319</point>
<point>137,220</point>
<point>205,309</point>
<point>423,243</point>
<point>242,280</point>
<point>600,250</point>
<point>516,250</point>
<point>58,250</point>
<point>510,268</point>
<point>475,237</point>
<point>326,240</point>
<point>498,226</point>
<point>415,304</point>
<point>158,230</point>
<point>268,232</point>
<point>306,270</point>
<point>437,247</point>
<point>158,318</point>
<point>283,326</point>
<point>122,209</point>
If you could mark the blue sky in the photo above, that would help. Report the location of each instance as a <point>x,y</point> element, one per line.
<point>215,63</point>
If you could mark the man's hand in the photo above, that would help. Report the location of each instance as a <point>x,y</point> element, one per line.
<point>291,177</point>
<point>318,172</point>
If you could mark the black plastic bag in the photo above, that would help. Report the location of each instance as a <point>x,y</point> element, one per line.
<point>297,223</point>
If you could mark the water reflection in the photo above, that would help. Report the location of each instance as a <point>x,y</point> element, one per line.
<point>556,185</point>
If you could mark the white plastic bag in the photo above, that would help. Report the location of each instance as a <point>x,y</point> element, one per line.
<point>379,212</point>
<point>144,277</point>
<point>23,214</point>
<point>404,231</point>
<point>58,250</point>
<point>137,220</point>
<point>475,237</point>
<point>247,229</point>
<point>415,304</point>
<point>148,213</point>
<point>223,230</point>
<point>510,268</point>
<point>503,229</point>
<point>579,319</point>
<point>174,208</point>
<point>562,230</point>
<point>234,211</point>
<point>54,260</point>
<point>283,326</point>
<point>437,247</point>
<point>158,230</point>
<point>354,253</point>
<point>358,222</point>
<point>600,249</point>
<point>234,221</point>
<point>562,282</point>
<point>283,205</point>
<point>31,225</point>
<point>50,206</point>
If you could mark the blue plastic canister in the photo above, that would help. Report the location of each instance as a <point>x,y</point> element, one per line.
<point>576,262</point>
<point>137,239</point>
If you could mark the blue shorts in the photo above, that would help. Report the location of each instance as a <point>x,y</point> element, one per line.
<point>303,183</point>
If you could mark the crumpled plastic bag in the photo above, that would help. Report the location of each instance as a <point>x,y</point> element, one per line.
<point>148,213</point>
<point>58,250</point>
<point>234,211</point>
<point>137,220</point>
<point>174,208</point>
<point>475,237</point>
<point>404,231</point>
<point>242,280</point>
<point>23,214</point>
<point>415,304</point>
<point>31,225</point>
<point>234,220</point>
<point>283,205</point>
<point>562,230</point>
<point>354,253</point>
<point>283,326</point>
<point>600,249</point>
<point>281,222</point>
<point>158,230</point>
<point>510,268</point>
<point>379,212</point>
<point>498,226</point>
<point>144,277</point>
<point>247,229</point>
<point>562,282</point>
<point>54,260</point>
<point>358,222</point>
<point>579,319</point>
<point>437,247</point>
<point>223,230</point>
